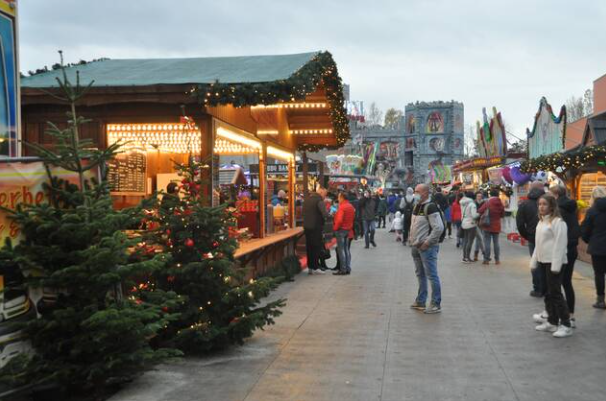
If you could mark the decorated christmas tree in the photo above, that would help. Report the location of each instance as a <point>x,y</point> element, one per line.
<point>222,307</point>
<point>74,250</point>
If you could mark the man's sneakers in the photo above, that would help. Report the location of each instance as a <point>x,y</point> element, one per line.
<point>433,309</point>
<point>430,310</point>
<point>536,294</point>
<point>546,326</point>
<point>563,331</point>
<point>540,317</point>
<point>417,306</point>
<point>467,261</point>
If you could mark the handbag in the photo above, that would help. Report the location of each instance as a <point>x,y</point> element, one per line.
<point>485,217</point>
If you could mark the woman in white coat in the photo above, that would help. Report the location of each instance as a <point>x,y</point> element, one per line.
<point>549,254</point>
<point>469,217</point>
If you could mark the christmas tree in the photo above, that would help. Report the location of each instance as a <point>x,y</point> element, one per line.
<point>222,307</point>
<point>91,333</point>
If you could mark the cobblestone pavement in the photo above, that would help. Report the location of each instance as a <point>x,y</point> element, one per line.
<point>355,338</point>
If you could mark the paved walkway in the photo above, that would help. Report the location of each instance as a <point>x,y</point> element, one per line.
<point>355,338</point>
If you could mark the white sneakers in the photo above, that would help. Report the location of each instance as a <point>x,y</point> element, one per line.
<point>546,326</point>
<point>563,331</point>
<point>560,331</point>
<point>540,317</point>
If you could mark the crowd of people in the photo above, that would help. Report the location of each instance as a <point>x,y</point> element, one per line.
<point>547,220</point>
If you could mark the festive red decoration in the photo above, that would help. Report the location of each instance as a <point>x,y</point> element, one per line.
<point>215,244</point>
<point>164,309</point>
<point>189,243</point>
<point>170,279</point>
<point>168,231</point>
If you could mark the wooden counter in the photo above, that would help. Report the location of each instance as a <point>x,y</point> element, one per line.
<point>256,244</point>
<point>260,256</point>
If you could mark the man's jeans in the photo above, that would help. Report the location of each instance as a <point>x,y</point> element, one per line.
<point>369,231</point>
<point>426,267</point>
<point>488,236</point>
<point>344,251</point>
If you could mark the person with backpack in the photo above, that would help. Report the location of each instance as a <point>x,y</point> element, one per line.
<point>406,207</point>
<point>426,232</point>
<point>491,213</point>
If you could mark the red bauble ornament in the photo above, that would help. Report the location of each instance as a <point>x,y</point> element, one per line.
<point>215,244</point>
<point>164,309</point>
<point>189,243</point>
<point>187,212</point>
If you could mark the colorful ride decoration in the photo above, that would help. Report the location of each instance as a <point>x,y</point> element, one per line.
<point>491,135</point>
<point>548,133</point>
<point>439,173</point>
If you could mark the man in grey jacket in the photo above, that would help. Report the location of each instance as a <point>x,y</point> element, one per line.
<point>424,238</point>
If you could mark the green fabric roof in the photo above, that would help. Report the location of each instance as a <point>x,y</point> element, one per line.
<point>144,72</point>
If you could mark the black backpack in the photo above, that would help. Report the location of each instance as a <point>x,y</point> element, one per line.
<point>443,235</point>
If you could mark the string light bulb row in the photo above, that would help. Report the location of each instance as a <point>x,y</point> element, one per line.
<point>311,131</point>
<point>170,138</point>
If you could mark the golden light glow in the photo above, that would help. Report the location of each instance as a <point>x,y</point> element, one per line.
<point>165,137</point>
<point>238,138</point>
<point>311,131</point>
<point>225,147</point>
<point>279,153</point>
<point>267,132</point>
<point>291,106</point>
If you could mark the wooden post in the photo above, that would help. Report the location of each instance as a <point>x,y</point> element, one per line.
<point>305,176</point>
<point>292,177</point>
<point>207,156</point>
<point>262,185</point>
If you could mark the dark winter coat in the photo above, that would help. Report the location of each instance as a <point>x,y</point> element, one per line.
<point>593,228</point>
<point>314,212</point>
<point>368,208</point>
<point>440,199</point>
<point>568,210</point>
<point>382,208</point>
<point>528,215</point>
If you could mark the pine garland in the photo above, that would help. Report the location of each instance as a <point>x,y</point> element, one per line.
<point>562,162</point>
<point>321,69</point>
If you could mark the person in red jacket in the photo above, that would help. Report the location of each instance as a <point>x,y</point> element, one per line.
<point>455,216</point>
<point>343,227</point>
<point>496,211</point>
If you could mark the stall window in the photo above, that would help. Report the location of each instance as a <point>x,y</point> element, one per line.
<point>586,185</point>
<point>280,176</point>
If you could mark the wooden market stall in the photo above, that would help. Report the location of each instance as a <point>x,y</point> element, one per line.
<point>263,107</point>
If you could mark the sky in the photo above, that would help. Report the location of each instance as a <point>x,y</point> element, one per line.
<point>487,53</point>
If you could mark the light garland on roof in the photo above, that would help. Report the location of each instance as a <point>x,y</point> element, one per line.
<point>291,106</point>
<point>321,69</point>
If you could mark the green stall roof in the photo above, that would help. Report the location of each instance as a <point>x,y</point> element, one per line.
<point>146,72</point>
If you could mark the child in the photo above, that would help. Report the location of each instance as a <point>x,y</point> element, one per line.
<point>398,225</point>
